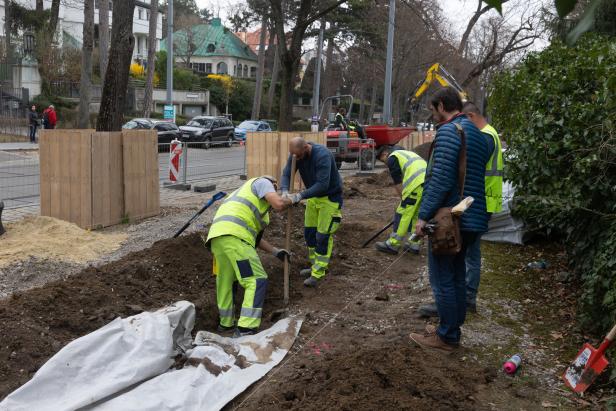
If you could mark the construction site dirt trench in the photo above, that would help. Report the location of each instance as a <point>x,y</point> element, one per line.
<point>353,351</point>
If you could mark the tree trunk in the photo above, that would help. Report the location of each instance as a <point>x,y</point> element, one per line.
<point>103,35</point>
<point>256,103</point>
<point>285,116</point>
<point>7,32</point>
<point>372,105</point>
<point>149,80</point>
<point>330,84</point>
<point>272,88</point>
<point>86,64</point>
<point>53,18</point>
<point>39,6</point>
<point>362,103</point>
<point>110,116</point>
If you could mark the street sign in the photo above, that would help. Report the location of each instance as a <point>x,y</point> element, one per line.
<point>169,112</point>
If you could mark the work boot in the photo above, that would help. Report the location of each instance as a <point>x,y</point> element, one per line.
<point>2,230</point>
<point>411,248</point>
<point>311,282</point>
<point>306,272</point>
<point>243,332</point>
<point>430,328</point>
<point>385,247</point>
<point>221,328</point>
<point>428,310</point>
<point>471,307</point>
<point>431,341</point>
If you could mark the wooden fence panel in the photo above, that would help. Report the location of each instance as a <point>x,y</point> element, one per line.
<point>140,164</point>
<point>107,179</point>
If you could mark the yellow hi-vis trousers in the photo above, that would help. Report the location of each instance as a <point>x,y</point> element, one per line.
<point>238,261</point>
<point>406,218</point>
<point>321,221</point>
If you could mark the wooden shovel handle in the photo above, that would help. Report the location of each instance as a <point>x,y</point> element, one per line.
<point>612,334</point>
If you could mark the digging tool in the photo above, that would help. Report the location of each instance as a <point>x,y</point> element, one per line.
<point>2,230</point>
<point>588,365</point>
<point>381,231</point>
<point>287,241</point>
<point>215,198</point>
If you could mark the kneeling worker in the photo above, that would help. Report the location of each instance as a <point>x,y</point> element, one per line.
<point>408,170</point>
<point>236,230</point>
<point>317,167</point>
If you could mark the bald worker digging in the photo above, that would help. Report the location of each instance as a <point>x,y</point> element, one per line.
<point>323,196</point>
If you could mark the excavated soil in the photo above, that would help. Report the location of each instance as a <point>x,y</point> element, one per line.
<point>352,353</point>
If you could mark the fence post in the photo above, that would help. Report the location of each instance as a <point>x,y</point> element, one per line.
<point>184,162</point>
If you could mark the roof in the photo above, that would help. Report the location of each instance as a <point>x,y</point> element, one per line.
<point>212,40</point>
<point>252,38</point>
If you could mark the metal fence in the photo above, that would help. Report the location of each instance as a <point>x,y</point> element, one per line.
<point>201,161</point>
<point>19,179</point>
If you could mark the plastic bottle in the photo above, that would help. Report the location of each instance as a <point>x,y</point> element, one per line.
<point>512,364</point>
<point>537,265</point>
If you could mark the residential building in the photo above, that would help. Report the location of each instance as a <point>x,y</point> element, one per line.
<point>213,49</point>
<point>253,39</point>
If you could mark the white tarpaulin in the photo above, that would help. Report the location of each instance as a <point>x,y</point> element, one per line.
<point>502,227</point>
<point>126,366</point>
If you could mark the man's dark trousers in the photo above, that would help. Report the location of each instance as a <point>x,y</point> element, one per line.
<point>448,281</point>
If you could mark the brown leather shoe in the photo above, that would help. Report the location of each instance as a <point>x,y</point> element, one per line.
<point>432,341</point>
<point>431,328</point>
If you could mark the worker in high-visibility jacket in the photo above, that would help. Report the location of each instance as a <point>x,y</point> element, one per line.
<point>235,232</point>
<point>494,200</point>
<point>317,168</point>
<point>407,170</point>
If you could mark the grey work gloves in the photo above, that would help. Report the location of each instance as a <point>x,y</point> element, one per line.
<point>281,254</point>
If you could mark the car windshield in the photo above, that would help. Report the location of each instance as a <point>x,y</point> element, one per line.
<point>249,125</point>
<point>200,123</point>
<point>130,125</point>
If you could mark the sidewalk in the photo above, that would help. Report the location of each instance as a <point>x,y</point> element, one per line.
<point>17,146</point>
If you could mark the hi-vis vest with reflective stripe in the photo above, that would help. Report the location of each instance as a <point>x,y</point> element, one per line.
<point>494,174</point>
<point>413,170</point>
<point>242,215</point>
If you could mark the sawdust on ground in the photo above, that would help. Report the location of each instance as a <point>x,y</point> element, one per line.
<point>50,238</point>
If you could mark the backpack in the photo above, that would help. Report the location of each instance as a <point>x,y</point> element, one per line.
<point>46,118</point>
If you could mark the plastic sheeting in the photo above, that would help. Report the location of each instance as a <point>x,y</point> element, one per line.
<point>502,227</point>
<point>126,365</point>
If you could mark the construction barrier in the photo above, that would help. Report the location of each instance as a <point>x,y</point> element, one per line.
<point>416,138</point>
<point>267,153</point>
<point>175,152</point>
<point>98,179</point>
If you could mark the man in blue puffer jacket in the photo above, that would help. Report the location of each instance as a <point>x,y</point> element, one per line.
<point>447,273</point>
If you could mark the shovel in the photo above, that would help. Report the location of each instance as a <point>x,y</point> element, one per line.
<point>216,197</point>
<point>588,365</point>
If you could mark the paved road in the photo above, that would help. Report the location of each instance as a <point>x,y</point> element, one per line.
<point>19,172</point>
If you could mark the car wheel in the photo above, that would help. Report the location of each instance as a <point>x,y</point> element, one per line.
<point>207,144</point>
<point>230,141</point>
<point>338,164</point>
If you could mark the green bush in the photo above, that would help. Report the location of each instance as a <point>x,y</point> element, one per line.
<point>557,111</point>
<point>301,125</point>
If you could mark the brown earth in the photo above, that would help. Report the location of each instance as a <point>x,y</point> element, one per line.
<point>353,350</point>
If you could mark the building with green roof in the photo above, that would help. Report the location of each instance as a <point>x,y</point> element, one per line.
<point>213,49</point>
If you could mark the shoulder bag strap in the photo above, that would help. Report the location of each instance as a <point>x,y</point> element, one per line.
<point>461,159</point>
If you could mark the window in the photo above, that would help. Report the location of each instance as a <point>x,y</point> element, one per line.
<point>208,68</point>
<point>140,13</point>
<point>211,48</point>
<point>147,15</point>
<point>221,68</point>
<point>253,72</point>
<point>246,70</point>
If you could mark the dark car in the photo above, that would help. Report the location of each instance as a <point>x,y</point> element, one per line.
<point>166,130</point>
<point>208,130</point>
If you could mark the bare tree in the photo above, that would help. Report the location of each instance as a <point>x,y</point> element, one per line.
<point>86,64</point>
<point>256,104</point>
<point>149,80</point>
<point>103,35</point>
<point>110,116</point>
<point>190,38</point>
<point>302,16</point>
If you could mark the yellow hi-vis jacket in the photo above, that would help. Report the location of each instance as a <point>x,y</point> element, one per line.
<point>494,174</point>
<point>413,170</point>
<point>242,215</point>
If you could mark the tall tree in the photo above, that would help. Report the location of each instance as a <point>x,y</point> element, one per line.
<point>302,15</point>
<point>149,80</point>
<point>110,116</point>
<point>86,64</point>
<point>103,35</point>
<point>188,38</point>
<point>256,104</point>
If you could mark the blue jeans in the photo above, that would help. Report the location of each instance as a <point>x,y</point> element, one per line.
<point>448,281</point>
<point>473,270</point>
<point>33,133</point>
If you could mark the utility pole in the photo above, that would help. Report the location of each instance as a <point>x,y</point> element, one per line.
<point>170,53</point>
<point>389,63</point>
<point>317,82</point>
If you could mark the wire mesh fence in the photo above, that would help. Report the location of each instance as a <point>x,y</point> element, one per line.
<point>19,179</point>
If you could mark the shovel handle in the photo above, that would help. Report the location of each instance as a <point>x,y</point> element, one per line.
<point>612,334</point>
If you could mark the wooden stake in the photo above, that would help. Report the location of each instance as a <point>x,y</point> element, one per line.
<point>287,243</point>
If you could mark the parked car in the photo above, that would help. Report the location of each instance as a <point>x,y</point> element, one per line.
<point>250,125</point>
<point>208,130</point>
<point>166,130</point>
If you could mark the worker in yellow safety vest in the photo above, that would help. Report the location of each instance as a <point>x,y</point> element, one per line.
<point>235,232</point>
<point>407,170</point>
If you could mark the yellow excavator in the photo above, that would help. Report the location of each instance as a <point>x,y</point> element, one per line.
<point>437,73</point>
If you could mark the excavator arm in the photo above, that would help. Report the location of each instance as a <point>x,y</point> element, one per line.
<point>438,73</point>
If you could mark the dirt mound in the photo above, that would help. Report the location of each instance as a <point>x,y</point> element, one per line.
<point>394,376</point>
<point>50,238</point>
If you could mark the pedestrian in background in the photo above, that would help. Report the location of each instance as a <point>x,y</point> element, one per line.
<point>49,117</point>
<point>33,120</point>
